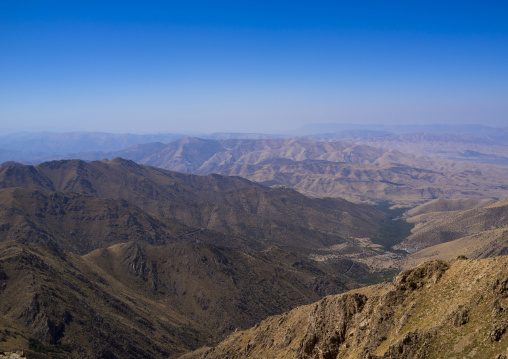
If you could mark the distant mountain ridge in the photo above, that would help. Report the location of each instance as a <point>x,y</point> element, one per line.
<point>446,129</point>
<point>490,149</point>
<point>42,146</point>
<point>486,144</point>
<point>327,168</point>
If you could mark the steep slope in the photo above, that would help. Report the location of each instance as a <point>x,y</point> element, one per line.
<point>437,310</point>
<point>229,205</point>
<point>218,287</point>
<point>444,226</point>
<point>330,168</point>
<point>443,232</point>
<point>80,223</point>
<point>54,297</point>
<point>136,300</point>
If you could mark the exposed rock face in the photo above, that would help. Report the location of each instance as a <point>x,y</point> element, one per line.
<point>439,309</point>
<point>12,355</point>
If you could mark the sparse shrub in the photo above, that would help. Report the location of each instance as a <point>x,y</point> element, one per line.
<point>37,346</point>
<point>412,285</point>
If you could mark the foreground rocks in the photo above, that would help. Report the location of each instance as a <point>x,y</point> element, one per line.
<point>440,309</point>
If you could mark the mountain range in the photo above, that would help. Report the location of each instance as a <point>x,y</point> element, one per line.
<point>334,168</point>
<point>110,259</point>
<point>188,242</point>
<point>255,215</point>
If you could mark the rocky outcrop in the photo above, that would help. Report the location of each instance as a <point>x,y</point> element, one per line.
<point>12,355</point>
<point>440,309</point>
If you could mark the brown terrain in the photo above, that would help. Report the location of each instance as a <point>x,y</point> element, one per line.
<point>251,215</point>
<point>115,259</point>
<point>111,259</point>
<point>356,172</point>
<point>455,309</point>
<point>445,146</point>
<point>447,228</point>
<point>136,300</point>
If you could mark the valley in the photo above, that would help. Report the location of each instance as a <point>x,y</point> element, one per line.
<point>188,244</point>
<point>205,255</point>
<point>253,180</point>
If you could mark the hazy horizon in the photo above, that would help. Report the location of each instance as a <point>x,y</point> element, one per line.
<point>259,67</point>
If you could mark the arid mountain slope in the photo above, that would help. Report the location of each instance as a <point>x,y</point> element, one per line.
<point>55,297</point>
<point>444,230</point>
<point>80,223</point>
<point>437,310</point>
<point>135,300</point>
<point>339,169</point>
<point>229,205</point>
<point>443,226</point>
<point>218,287</point>
<point>446,146</point>
<point>490,243</point>
<point>442,205</point>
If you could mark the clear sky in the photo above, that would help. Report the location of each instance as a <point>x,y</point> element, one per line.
<point>250,66</point>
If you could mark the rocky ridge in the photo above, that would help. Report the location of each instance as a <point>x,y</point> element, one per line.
<point>136,300</point>
<point>439,309</point>
<point>255,215</point>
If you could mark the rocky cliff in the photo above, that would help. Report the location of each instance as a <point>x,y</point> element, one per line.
<point>441,309</point>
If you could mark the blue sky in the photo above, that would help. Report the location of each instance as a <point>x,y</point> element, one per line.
<point>250,66</point>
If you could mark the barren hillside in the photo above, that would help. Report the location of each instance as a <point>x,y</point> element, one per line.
<point>441,309</point>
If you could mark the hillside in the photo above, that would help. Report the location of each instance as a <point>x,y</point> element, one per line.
<point>356,172</point>
<point>438,310</point>
<point>220,288</point>
<point>233,206</point>
<point>55,298</point>
<point>136,300</point>
<point>442,205</point>
<point>446,228</point>
<point>79,223</point>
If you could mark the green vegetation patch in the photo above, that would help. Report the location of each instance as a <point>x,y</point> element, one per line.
<point>39,347</point>
<point>394,229</point>
<point>377,277</point>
